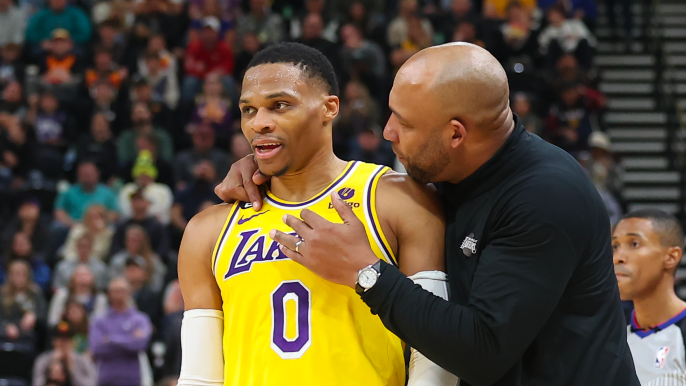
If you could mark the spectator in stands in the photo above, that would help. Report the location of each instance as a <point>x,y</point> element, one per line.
<point>188,201</point>
<point>103,100</point>
<point>96,224</point>
<point>76,315</point>
<point>71,205</point>
<point>250,46</point>
<point>12,102</point>
<point>160,17</point>
<point>28,221</point>
<point>162,116</point>
<point>160,195</point>
<point>266,25</point>
<point>518,41</point>
<point>159,239</point>
<point>141,118</point>
<point>569,124</point>
<point>224,11</point>
<point>20,249</point>
<point>165,172</point>
<point>408,31</point>
<point>203,149</point>
<point>173,315</point>
<point>84,256</point>
<point>54,126</point>
<point>357,112</point>
<point>566,36</point>
<point>466,32</point>
<point>362,58</point>
<point>119,338</point>
<point>369,146</point>
<point>60,68</point>
<point>17,151</point>
<point>110,38</point>
<point>213,108</point>
<point>99,147</point>
<point>460,11</point>
<point>12,23</point>
<point>521,105</point>
<point>105,70</point>
<point>165,86</point>
<point>81,288</point>
<point>22,306</point>
<point>500,7</point>
<point>62,364</point>
<point>58,15</point>
<point>605,173</point>
<point>312,35</point>
<point>146,299</point>
<point>370,23</point>
<point>137,246</point>
<point>157,44</point>
<point>206,56</point>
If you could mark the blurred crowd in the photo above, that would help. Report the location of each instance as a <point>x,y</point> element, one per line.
<point>118,117</point>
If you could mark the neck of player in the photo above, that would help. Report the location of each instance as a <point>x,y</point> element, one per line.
<point>658,306</point>
<point>301,185</point>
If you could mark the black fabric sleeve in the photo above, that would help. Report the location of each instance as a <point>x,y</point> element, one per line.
<point>522,273</point>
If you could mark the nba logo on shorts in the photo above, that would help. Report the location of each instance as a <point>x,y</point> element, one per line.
<point>661,357</point>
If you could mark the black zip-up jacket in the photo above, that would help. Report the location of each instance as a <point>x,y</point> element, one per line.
<point>533,295</point>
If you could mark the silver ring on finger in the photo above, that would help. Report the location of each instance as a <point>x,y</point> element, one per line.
<point>297,245</point>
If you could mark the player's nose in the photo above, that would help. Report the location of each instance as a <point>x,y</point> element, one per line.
<point>263,121</point>
<point>389,132</point>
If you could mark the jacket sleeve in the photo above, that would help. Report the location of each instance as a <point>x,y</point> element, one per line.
<point>83,372</point>
<point>523,270</point>
<point>139,337</point>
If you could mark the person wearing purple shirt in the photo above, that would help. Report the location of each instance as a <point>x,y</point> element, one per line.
<point>118,337</point>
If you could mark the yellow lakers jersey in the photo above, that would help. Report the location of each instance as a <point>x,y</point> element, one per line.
<point>283,325</point>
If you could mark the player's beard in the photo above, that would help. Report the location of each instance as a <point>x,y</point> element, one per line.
<point>430,160</point>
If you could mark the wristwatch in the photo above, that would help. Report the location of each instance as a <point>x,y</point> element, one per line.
<point>367,277</point>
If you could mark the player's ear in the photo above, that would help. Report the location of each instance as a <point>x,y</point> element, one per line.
<point>673,258</point>
<point>331,105</point>
<point>457,132</point>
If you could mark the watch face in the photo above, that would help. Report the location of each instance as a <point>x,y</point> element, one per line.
<point>367,278</point>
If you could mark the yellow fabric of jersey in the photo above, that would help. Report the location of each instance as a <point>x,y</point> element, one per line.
<point>283,325</point>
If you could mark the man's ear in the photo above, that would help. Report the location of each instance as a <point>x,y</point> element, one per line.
<point>458,133</point>
<point>673,258</point>
<point>332,105</point>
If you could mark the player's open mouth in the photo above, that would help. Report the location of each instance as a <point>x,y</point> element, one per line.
<point>266,150</point>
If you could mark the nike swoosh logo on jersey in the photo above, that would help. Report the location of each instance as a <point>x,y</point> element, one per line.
<point>242,220</point>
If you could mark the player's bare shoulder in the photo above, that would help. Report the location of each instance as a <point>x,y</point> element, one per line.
<point>398,192</point>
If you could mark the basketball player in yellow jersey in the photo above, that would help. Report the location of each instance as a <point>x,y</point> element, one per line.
<point>256,318</point>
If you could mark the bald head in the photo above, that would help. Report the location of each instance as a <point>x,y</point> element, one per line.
<point>464,81</point>
<point>451,112</point>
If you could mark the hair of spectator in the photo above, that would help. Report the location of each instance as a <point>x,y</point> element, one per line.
<point>559,8</point>
<point>111,23</point>
<point>664,224</point>
<point>146,251</point>
<point>8,292</point>
<point>513,4</point>
<point>101,50</point>
<point>91,161</point>
<point>312,63</point>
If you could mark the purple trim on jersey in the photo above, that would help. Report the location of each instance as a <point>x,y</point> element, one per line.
<point>371,217</point>
<point>320,195</point>
<point>226,231</point>
<point>642,333</point>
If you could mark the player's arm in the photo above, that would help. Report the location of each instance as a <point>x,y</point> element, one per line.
<point>202,362</point>
<point>412,218</point>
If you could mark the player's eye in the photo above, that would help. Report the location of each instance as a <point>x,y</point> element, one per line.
<point>615,246</point>
<point>635,244</point>
<point>248,110</point>
<point>280,105</point>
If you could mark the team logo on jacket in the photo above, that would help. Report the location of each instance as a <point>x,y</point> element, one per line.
<point>661,357</point>
<point>469,245</point>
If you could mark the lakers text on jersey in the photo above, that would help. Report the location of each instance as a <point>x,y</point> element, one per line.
<point>285,325</point>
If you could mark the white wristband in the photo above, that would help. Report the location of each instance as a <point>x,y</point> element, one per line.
<point>202,356</point>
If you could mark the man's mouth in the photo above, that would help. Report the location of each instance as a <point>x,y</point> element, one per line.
<point>267,150</point>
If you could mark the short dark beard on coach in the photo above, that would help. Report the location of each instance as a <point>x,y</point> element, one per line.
<point>431,159</point>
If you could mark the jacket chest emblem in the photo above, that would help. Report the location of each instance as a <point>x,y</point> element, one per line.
<point>469,245</point>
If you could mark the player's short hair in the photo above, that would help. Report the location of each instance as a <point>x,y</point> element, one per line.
<point>311,62</point>
<point>664,224</point>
